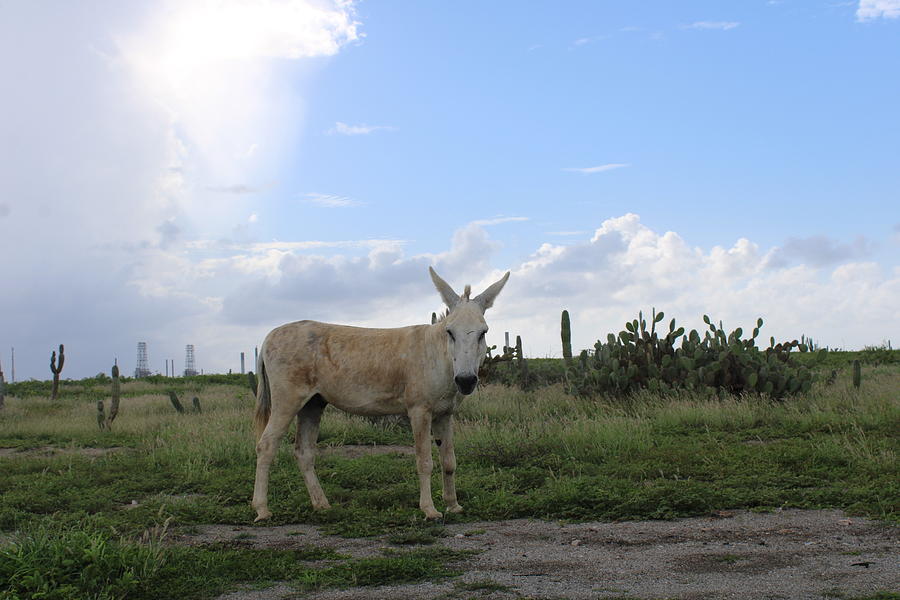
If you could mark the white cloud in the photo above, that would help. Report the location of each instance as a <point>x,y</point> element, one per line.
<point>498,220</point>
<point>286,246</point>
<point>363,129</point>
<point>819,251</point>
<point>874,9</point>
<point>603,279</point>
<point>588,40</point>
<point>331,200</point>
<point>597,169</point>
<point>224,296</point>
<point>625,266</point>
<point>721,25</point>
<point>238,188</point>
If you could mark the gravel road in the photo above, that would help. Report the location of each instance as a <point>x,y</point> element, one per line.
<point>791,554</point>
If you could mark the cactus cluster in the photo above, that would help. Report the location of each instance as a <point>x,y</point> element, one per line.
<point>642,358</point>
<point>509,368</point>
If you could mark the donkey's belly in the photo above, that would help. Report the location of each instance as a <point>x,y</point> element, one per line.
<point>360,400</point>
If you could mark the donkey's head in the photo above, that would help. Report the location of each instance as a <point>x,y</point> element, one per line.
<point>465,328</point>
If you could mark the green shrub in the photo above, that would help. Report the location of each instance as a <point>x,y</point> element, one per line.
<point>63,564</point>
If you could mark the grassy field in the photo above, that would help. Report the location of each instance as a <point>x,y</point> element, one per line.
<point>85,513</point>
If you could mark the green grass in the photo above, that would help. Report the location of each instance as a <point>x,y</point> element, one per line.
<point>535,454</point>
<point>62,563</point>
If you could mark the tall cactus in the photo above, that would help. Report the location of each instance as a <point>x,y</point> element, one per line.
<point>104,421</point>
<point>116,394</point>
<point>566,333</point>
<point>522,364</point>
<point>173,398</point>
<point>56,369</point>
<point>251,380</point>
<point>857,374</point>
<point>2,389</point>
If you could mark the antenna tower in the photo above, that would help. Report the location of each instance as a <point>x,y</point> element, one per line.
<point>189,368</point>
<point>143,364</point>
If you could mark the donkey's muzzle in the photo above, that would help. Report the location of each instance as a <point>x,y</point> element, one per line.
<point>466,383</point>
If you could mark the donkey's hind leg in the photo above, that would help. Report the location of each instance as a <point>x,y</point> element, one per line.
<point>305,449</point>
<point>279,421</point>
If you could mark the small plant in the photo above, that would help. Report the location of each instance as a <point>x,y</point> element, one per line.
<point>418,535</point>
<point>56,369</point>
<point>728,559</point>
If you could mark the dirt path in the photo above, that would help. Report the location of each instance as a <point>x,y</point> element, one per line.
<point>788,554</point>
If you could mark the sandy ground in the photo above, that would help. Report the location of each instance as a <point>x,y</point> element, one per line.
<point>791,554</point>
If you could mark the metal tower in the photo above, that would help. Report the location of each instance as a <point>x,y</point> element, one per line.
<point>189,361</point>
<point>143,364</point>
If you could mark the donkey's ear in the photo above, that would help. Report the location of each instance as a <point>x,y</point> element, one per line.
<point>449,297</point>
<point>486,298</point>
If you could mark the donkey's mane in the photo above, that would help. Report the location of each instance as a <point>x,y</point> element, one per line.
<point>465,296</point>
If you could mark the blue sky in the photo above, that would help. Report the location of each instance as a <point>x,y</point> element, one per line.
<point>200,172</point>
<point>778,120</point>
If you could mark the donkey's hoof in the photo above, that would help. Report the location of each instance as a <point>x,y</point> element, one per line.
<point>432,515</point>
<point>262,515</point>
<point>323,506</point>
<point>454,508</point>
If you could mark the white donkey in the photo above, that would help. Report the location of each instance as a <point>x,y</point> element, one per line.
<point>421,370</point>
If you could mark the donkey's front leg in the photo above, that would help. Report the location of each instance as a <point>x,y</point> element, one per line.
<point>443,437</point>
<point>420,419</point>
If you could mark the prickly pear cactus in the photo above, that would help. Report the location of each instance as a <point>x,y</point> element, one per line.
<point>719,361</point>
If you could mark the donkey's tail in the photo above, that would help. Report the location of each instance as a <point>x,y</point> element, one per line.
<point>263,398</point>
